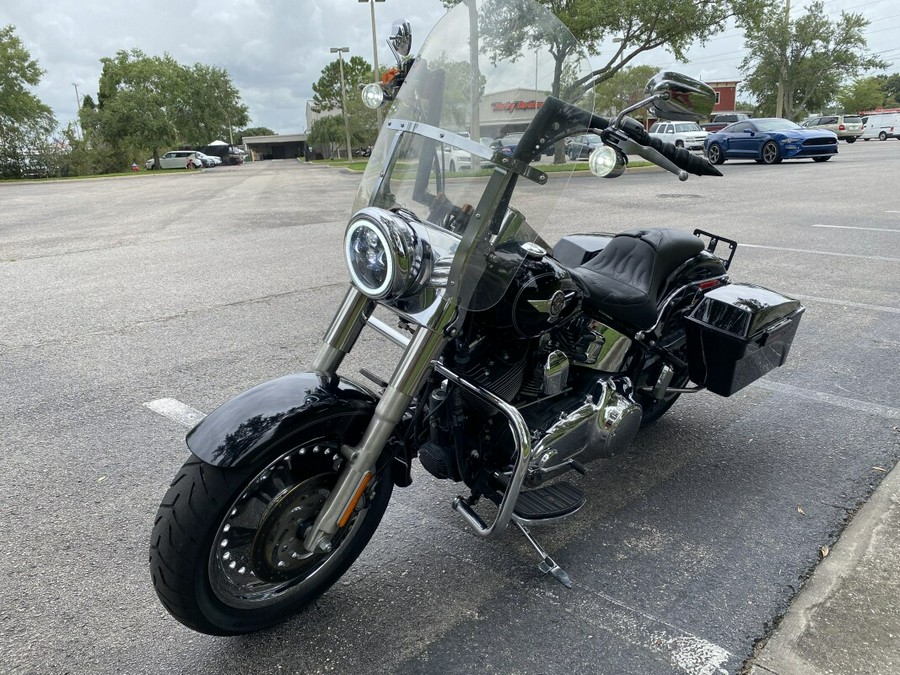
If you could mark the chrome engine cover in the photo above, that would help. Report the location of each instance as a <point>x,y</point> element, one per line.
<point>603,426</point>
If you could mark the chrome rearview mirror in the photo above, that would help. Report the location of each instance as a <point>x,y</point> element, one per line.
<point>679,97</point>
<point>400,40</point>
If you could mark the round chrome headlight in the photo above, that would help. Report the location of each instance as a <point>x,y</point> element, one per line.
<point>373,95</point>
<point>385,255</point>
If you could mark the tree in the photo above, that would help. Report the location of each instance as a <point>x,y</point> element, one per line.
<point>154,101</point>
<point>623,89</point>
<point>812,56</point>
<point>253,131</point>
<point>25,121</point>
<point>327,131</point>
<point>890,85</point>
<point>637,26</point>
<point>327,97</point>
<point>864,94</point>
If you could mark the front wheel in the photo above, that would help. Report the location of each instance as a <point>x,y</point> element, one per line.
<point>770,153</point>
<point>822,159</point>
<point>714,154</point>
<point>226,554</point>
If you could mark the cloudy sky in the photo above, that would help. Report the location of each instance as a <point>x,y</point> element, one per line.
<point>275,49</point>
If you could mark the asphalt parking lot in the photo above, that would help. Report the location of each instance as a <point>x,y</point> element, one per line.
<point>119,292</point>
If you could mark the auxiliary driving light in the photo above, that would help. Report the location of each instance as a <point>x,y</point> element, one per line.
<point>606,162</point>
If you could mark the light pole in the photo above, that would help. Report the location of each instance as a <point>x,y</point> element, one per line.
<point>374,54</point>
<point>340,52</point>
<point>78,110</point>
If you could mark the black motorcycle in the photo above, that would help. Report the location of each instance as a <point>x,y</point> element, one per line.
<point>521,361</point>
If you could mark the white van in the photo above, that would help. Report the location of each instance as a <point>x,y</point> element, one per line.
<point>882,127</point>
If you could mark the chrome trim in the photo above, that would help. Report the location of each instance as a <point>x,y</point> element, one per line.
<point>409,375</point>
<point>608,349</point>
<point>343,332</point>
<point>441,136</point>
<point>556,373</point>
<point>522,440</point>
<point>391,334</point>
<point>664,305</point>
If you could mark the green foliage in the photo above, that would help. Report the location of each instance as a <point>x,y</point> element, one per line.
<point>327,90</point>
<point>890,86</point>
<point>327,98</point>
<point>638,25</point>
<point>252,131</point>
<point>327,132</point>
<point>863,94</point>
<point>815,54</point>
<point>155,102</point>
<point>25,121</point>
<point>624,88</point>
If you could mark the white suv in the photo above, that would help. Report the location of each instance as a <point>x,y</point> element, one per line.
<point>681,134</point>
<point>178,159</point>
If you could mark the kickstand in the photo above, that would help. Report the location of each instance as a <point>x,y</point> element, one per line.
<point>547,564</point>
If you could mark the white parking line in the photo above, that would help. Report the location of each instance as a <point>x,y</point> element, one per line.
<point>175,410</point>
<point>844,303</point>
<point>851,227</point>
<point>831,253</point>
<point>831,399</point>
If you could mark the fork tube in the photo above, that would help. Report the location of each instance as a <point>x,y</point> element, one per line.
<point>345,328</point>
<point>409,376</point>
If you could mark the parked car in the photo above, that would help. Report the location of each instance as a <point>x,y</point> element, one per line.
<point>582,146</point>
<point>681,134</point>
<point>208,161</point>
<point>507,144</point>
<point>769,141</point>
<point>846,127</point>
<point>722,120</point>
<point>177,159</point>
<point>881,126</point>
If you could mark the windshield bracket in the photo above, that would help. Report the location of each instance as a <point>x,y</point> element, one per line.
<point>519,167</point>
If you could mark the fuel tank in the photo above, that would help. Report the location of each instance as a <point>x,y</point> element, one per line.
<point>541,296</point>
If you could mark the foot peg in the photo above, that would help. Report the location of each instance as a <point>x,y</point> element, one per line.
<point>547,564</point>
<point>548,502</point>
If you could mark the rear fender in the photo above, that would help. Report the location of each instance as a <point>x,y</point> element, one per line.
<point>233,434</point>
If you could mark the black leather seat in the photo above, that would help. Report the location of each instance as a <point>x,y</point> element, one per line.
<point>625,278</point>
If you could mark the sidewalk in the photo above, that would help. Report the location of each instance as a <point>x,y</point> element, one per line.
<point>846,620</point>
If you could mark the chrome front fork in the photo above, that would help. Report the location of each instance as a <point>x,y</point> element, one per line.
<point>410,374</point>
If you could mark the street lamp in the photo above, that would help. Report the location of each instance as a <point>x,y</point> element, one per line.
<point>340,52</point>
<point>374,54</point>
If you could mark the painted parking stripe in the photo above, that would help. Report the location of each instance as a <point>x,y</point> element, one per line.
<point>830,253</point>
<point>851,227</point>
<point>175,410</point>
<point>844,303</point>
<point>831,399</point>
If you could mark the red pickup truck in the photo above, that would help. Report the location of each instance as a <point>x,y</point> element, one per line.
<point>722,120</point>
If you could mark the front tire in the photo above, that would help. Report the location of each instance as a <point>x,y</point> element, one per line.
<point>770,154</point>
<point>226,555</point>
<point>821,159</point>
<point>714,154</point>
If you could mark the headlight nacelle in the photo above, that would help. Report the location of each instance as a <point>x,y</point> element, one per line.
<point>386,257</point>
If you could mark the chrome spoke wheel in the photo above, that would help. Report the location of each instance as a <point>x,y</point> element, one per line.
<point>258,557</point>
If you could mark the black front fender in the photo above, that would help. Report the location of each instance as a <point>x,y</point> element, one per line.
<point>231,434</point>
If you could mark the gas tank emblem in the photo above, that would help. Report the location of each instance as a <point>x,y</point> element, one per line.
<point>554,306</point>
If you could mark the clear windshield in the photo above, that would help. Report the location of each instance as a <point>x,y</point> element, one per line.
<point>477,83</point>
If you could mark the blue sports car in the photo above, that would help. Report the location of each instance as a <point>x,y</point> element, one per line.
<point>768,141</point>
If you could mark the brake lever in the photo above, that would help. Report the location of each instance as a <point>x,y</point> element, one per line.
<point>625,145</point>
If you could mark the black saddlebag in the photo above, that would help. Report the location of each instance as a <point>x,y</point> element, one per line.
<point>737,334</point>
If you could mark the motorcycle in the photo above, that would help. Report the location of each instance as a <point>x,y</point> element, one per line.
<point>521,361</point>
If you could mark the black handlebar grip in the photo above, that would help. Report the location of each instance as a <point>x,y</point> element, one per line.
<point>680,157</point>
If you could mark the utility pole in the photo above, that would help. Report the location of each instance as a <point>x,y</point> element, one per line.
<point>374,55</point>
<point>779,102</point>
<point>340,52</point>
